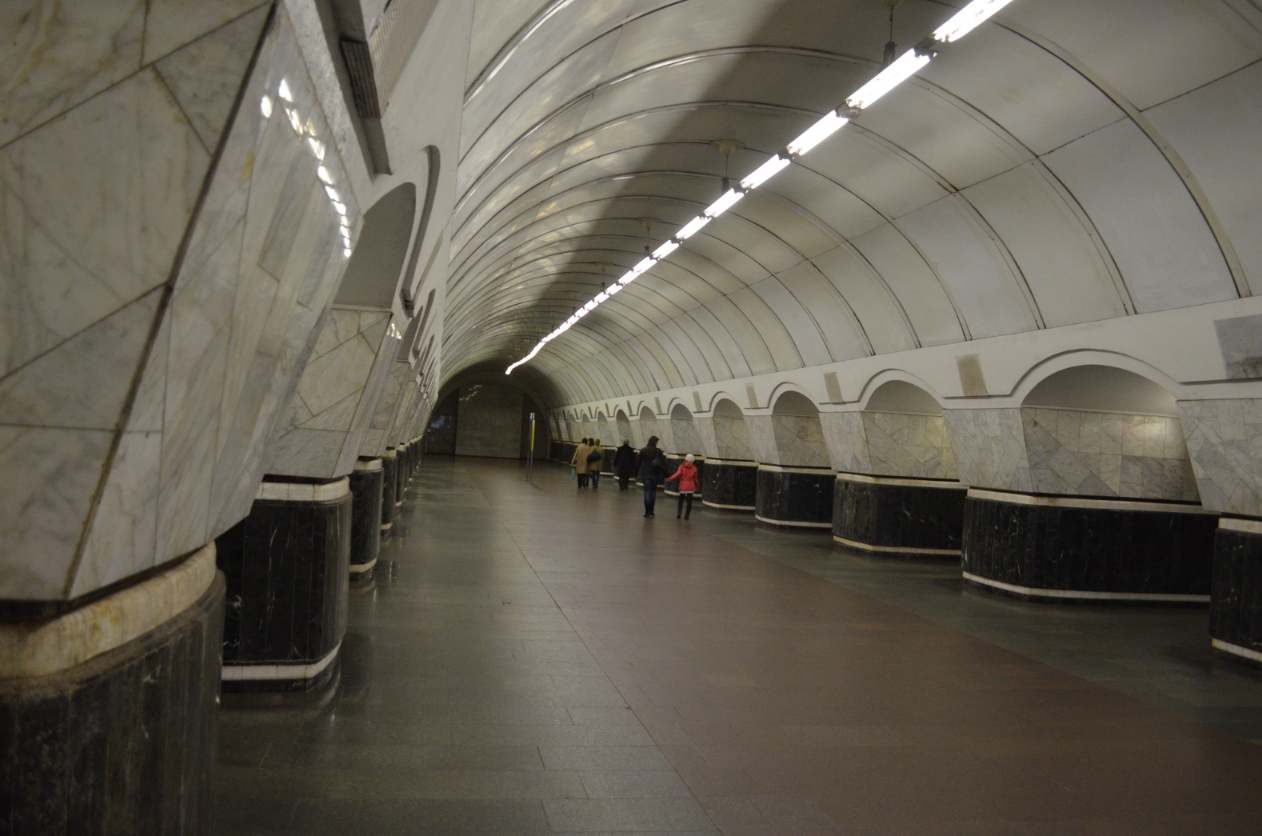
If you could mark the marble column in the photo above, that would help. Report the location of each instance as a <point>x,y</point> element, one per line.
<point>1080,505</point>
<point>401,475</point>
<point>108,710</point>
<point>366,491</point>
<point>730,485</point>
<point>287,565</point>
<point>794,497</point>
<point>1224,439</point>
<point>898,492</point>
<point>389,489</point>
<point>884,515</point>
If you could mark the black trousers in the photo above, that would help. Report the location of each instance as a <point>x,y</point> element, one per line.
<point>623,481</point>
<point>685,505</point>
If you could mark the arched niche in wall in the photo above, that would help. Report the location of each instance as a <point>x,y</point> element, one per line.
<point>376,265</point>
<point>603,431</point>
<point>902,433</point>
<point>730,433</point>
<point>1096,430</point>
<point>683,432</point>
<point>798,434</point>
<point>648,425</point>
<point>624,427</point>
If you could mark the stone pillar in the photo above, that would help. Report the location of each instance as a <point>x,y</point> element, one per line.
<point>898,491</point>
<point>730,485</point>
<point>389,488</point>
<point>1080,505</point>
<point>401,475</point>
<point>794,497</point>
<point>1224,439</point>
<point>366,491</point>
<point>108,710</point>
<point>287,565</point>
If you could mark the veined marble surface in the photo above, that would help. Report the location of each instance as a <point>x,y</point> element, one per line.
<point>685,438</point>
<point>731,438</point>
<point>889,444</point>
<point>704,428</point>
<point>375,439</point>
<point>213,370</point>
<point>762,440</point>
<point>1072,453</point>
<point>1224,440</point>
<point>337,395</point>
<point>799,441</point>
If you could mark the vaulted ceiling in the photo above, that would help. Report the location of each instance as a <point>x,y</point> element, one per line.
<point>1067,162</point>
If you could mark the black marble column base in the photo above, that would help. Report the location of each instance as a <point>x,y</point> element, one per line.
<point>401,475</point>
<point>730,485</point>
<point>122,741</point>
<point>287,565</point>
<point>366,483</point>
<point>899,517</point>
<point>389,485</point>
<point>1235,608</point>
<point>1088,550</point>
<point>795,497</point>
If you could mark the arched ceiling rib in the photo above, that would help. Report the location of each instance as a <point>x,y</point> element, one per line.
<point>1016,184</point>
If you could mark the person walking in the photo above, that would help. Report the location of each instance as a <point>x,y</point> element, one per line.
<point>579,462</point>
<point>652,469</point>
<point>595,460</point>
<point>689,483</point>
<point>624,463</point>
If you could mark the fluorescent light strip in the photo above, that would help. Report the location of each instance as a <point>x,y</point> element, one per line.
<point>910,63</point>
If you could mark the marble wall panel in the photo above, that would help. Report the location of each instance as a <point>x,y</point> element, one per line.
<point>899,444</point>
<point>731,439</point>
<point>989,448</point>
<point>685,438</point>
<point>762,439</point>
<point>800,441</point>
<point>1079,453</point>
<point>847,446</point>
<point>53,57</point>
<point>378,435</point>
<point>706,436</point>
<point>170,24</point>
<point>1224,442</point>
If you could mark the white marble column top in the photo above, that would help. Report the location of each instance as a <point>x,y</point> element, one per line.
<point>304,492</point>
<point>30,649</point>
<point>1242,525</point>
<point>371,464</point>
<point>814,471</point>
<point>1094,504</point>
<point>903,481</point>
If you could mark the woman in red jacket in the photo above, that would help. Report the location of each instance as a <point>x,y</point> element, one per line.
<point>688,485</point>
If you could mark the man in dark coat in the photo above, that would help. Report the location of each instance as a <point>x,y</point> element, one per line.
<point>624,464</point>
<point>652,471</point>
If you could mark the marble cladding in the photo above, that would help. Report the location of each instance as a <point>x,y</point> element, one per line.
<point>366,508</point>
<point>389,487</point>
<point>792,496</point>
<point>1082,453</point>
<point>762,439</point>
<point>383,417</point>
<point>1235,609</point>
<point>1224,440</point>
<point>730,484</point>
<point>1100,550</point>
<point>800,441</point>
<point>731,438</point>
<point>895,517</point>
<point>122,743</point>
<point>685,438</point>
<point>889,444</point>
<point>706,437</point>
<point>400,432</point>
<point>1073,453</point>
<point>99,200</point>
<point>287,568</point>
<point>989,448</point>
<point>336,398</point>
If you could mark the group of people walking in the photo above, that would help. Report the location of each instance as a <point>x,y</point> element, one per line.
<point>649,464</point>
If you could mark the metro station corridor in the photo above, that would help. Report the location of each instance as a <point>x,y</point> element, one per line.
<point>532,659</point>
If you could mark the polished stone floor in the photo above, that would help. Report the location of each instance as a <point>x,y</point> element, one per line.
<point>532,659</point>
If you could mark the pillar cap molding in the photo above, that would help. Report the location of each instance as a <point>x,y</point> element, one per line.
<point>903,481</point>
<point>369,464</point>
<point>1097,504</point>
<point>304,492</point>
<point>1239,524</point>
<point>780,468</point>
<point>34,649</point>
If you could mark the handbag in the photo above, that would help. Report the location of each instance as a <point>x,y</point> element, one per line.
<point>593,456</point>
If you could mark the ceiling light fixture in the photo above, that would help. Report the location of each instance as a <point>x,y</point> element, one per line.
<point>893,73</point>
